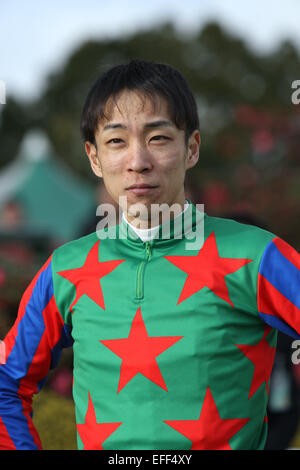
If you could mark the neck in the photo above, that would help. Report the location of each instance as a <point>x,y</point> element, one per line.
<point>159,214</point>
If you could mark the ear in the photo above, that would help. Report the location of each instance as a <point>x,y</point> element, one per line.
<point>91,152</point>
<point>193,149</point>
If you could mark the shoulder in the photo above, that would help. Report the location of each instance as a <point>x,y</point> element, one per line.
<point>74,249</point>
<point>239,236</point>
<point>78,249</point>
<point>234,228</point>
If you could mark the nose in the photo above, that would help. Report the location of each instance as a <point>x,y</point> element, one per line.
<point>139,158</point>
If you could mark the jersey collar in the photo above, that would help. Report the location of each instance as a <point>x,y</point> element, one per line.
<point>185,225</point>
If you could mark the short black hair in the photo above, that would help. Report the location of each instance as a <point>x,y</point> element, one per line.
<point>151,79</point>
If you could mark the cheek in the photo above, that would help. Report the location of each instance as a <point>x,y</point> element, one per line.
<point>173,163</point>
<point>112,168</point>
<point>112,162</point>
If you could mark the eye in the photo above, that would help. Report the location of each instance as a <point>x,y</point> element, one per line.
<point>159,137</point>
<point>115,140</point>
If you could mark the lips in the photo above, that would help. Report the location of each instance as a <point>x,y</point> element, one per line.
<point>142,189</point>
<point>141,186</point>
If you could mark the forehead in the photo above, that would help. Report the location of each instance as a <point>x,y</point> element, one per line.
<point>134,105</point>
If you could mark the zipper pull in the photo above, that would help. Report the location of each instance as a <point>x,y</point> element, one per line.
<point>148,250</point>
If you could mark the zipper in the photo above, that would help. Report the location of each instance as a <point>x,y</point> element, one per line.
<point>140,273</point>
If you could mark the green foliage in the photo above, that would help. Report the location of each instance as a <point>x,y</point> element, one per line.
<point>14,121</point>
<point>54,419</point>
<point>222,70</point>
<point>249,126</point>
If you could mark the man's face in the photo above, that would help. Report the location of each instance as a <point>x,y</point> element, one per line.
<point>141,154</point>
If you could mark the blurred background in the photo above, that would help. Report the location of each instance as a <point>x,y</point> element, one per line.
<point>240,59</point>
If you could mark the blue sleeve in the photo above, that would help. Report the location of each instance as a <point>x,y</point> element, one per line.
<point>30,349</point>
<point>278,289</point>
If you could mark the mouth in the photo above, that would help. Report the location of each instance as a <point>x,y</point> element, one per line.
<point>141,189</point>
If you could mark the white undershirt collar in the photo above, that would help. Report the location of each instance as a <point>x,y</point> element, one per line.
<point>149,233</point>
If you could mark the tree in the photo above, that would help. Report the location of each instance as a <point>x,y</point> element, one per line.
<point>249,126</point>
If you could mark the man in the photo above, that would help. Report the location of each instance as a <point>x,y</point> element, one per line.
<point>173,332</point>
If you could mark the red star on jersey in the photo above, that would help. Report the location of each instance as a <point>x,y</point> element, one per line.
<point>262,356</point>
<point>209,432</point>
<point>138,353</point>
<point>207,269</point>
<point>87,278</point>
<point>93,434</point>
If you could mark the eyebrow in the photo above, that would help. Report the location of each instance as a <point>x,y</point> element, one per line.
<point>160,123</point>
<point>151,125</point>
